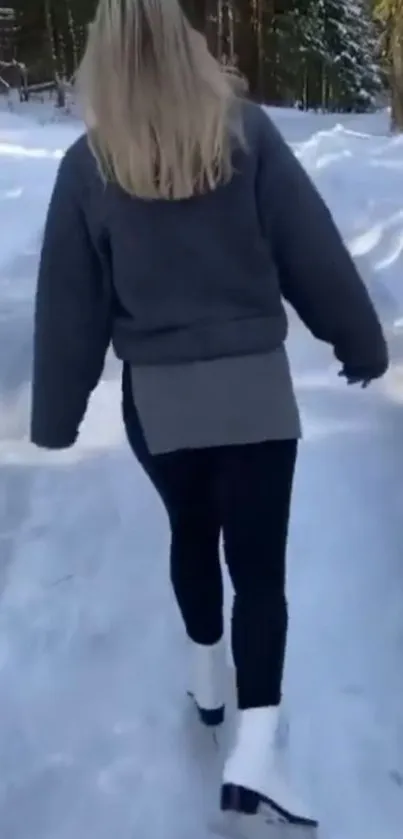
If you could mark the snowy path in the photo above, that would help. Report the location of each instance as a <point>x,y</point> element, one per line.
<point>96,735</point>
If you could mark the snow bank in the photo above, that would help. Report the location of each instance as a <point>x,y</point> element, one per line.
<point>358,168</point>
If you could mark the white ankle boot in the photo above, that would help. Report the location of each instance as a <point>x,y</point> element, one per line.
<point>253,775</point>
<point>208,681</point>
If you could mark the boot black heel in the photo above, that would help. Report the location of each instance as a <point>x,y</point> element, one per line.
<point>239,800</point>
<point>212,718</point>
<point>246,802</point>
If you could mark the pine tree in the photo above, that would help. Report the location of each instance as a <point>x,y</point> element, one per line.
<point>349,51</point>
<point>301,51</point>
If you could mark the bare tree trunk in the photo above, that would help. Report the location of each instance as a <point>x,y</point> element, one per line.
<point>231,30</point>
<point>212,18</point>
<point>220,30</point>
<point>268,53</point>
<point>73,35</point>
<point>51,38</point>
<point>258,26</point>
<point>396,76</point>
<point>246,46</point>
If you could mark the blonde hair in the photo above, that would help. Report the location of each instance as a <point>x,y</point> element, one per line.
<point>158,106</point>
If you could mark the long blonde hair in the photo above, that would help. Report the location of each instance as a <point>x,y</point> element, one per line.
<point>157,104</point>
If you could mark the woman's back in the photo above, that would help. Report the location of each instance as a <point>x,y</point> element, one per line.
<point>173,282</point>
<point>194,278</point>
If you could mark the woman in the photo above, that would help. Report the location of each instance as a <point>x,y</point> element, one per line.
<point>178,225</point>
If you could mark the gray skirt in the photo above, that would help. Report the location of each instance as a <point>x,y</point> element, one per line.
<point>228,401</point>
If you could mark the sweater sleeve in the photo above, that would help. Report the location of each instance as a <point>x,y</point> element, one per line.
<point>317,275</point>
<point>72,318</point>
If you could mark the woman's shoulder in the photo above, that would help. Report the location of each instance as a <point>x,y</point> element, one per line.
<point>78,157</point>
<point>78,169</point>
<point>253,112</point>
<point>259,129</point>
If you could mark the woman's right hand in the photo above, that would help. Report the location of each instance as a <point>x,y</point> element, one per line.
<point>362,376</point>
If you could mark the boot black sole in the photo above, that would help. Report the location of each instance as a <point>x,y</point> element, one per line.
<point>211,718</point>
<point>247,802</point>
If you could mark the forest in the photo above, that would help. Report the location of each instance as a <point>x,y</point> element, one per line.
<point>339,55</point>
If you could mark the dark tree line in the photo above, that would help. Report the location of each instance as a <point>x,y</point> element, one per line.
<point>310,53</point>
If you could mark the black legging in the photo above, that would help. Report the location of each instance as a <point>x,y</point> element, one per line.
<point>245,491</point>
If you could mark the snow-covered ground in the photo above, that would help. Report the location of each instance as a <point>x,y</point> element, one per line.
<point>96,736</point>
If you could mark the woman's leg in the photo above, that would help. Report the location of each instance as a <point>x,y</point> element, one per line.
<point>256,487</point>
<point>186,486</point>
<point>185,483</point>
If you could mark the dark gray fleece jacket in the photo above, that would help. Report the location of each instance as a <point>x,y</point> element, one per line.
<point>180,281</point>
